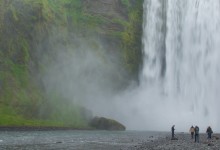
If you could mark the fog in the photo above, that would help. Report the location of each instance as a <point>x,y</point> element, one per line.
<point>89,78</point>
<point>84,72</point>
<point>178,82</point>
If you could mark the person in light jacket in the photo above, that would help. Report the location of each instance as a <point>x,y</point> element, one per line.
<point>192,130</point>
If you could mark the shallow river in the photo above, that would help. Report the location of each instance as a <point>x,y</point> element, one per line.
<point>74,140</point>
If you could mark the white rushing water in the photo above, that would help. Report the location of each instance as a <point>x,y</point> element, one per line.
<point>180,81</point>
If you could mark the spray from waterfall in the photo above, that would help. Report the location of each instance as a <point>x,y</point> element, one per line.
<point>179,82</point>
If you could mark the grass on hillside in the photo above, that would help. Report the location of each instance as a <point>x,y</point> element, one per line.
<point>9,117</point>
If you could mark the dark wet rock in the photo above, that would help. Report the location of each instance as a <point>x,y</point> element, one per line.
<point>210,144</point>
<point>102,123</point>
<point>215,137</point>
<point>174,138</point>
<point>59,142</point>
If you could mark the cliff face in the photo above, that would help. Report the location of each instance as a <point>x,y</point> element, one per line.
<point>35,38</point>
<point>110,11</point>
<point>107,8</point>
<point>123,27</point>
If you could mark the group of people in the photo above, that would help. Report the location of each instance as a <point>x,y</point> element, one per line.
<point>195,132</point>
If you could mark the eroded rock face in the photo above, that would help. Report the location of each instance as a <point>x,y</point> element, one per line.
<point>107,8</point>
<point>102,123</point>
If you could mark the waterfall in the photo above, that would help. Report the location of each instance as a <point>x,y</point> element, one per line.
<point>181,69</point>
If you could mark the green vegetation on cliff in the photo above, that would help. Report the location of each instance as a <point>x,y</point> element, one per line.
<point>33,33</point>
<point>131,40</point>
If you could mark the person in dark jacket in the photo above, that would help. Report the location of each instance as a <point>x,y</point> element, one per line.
<point>209,132</point>
<point>196,134</point>
<point>172,130</point>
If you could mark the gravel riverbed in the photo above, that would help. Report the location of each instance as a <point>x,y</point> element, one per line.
<point>184,142</point>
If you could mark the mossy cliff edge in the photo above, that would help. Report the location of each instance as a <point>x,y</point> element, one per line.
<point>33,36</point>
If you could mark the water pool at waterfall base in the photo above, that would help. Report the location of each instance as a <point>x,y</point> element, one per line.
<point>75,140</point>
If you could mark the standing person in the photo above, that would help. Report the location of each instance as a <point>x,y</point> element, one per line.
<point>172,130</point>
<point>209,132</point>
<point>196,134</point>
<point>192,130</point>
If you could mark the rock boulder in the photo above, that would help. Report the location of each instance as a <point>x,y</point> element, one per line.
<point>102,123</point>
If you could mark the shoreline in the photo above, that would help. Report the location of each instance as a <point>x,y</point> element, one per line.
<point>184,142</point>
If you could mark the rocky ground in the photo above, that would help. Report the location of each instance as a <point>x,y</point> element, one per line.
<point>184,142</point>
